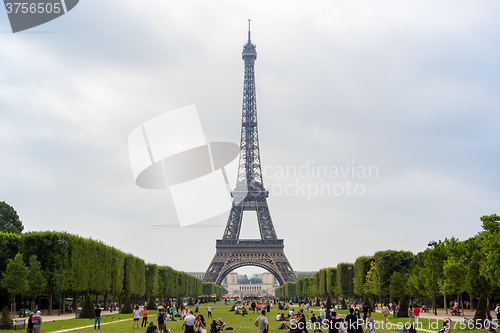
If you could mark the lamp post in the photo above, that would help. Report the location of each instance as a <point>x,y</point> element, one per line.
<point>433,245</point>
<point>349,270</point>
<point>179,283</point>
<point>61,242</point>
<point>116,271</point>
<point>380,282</point>
<point>147,293</point>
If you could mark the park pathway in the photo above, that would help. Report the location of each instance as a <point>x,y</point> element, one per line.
<point>88,326</point>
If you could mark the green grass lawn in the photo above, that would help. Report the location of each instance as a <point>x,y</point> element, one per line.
<point>239,323</point>
<point>56,325</point>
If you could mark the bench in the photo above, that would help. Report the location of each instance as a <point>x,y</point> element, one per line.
<point>24,312</point>
<point>426,310</point>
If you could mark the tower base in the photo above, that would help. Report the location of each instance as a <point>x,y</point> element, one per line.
<point>265,253</point>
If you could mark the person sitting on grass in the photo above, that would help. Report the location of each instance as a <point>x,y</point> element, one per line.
<point>283,325</point>
<point>319,321</point>
<point>221,324</point>
<point>446,326</point>
<point>151,328</point>
<point>278,317</point>
<point>313,319</point>
<point>214,328</point>
<point>404,329</point>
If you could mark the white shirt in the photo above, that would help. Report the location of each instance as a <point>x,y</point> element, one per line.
<point>261,323</point>
<point>189,320</point>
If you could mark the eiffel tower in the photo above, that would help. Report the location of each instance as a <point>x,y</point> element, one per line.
<point>249,195</point>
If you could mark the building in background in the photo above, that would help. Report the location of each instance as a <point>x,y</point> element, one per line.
<point>236,285</point>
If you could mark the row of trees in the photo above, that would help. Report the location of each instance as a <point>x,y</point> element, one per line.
<point>459,269</point>
<point>31,263</point>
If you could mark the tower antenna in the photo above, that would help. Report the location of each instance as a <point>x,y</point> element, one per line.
<point>249,30</point>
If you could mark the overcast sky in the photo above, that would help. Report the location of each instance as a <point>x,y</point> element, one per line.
<point>408,88</point>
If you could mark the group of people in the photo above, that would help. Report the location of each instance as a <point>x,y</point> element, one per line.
<point>242,308</point>
<point>35,322</point>
<point>327,318</point>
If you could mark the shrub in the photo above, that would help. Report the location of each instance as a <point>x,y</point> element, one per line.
<point>481,311</point>
<point>368,304</point>
<point>127,307</point>
<point>403,308</point>
<point>328,301</point>
<point>87,310</point>
<point>151,303</point>
<point>343,306</point>
<point>6,320</point>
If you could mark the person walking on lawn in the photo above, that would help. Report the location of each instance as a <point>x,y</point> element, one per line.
<point>36,320</point>
<point>385,311</point>
<point>416,314</point>
<point>262,323</point>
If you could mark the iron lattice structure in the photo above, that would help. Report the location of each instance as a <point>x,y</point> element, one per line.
<point>249,195</point>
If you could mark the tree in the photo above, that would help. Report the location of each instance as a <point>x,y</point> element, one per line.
<point>397,286</point>
<point>489,242</point>
<point>35,280</point>
<point>9,220</point>
<point>361,268</point>
<point>476,284</point>
<point>331,280</point>
<point>255,280</point>
<point>369,287</point>
<point>388,262</point>
<point>345,277</point>
<point>14,278</point>
<point>416,282</point>
<point>322,286</point>
<point>454,270</point>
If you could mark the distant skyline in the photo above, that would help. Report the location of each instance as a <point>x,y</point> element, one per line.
<point>408,90</point>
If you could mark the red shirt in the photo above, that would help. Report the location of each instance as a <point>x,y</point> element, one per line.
<point>416,311</point>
